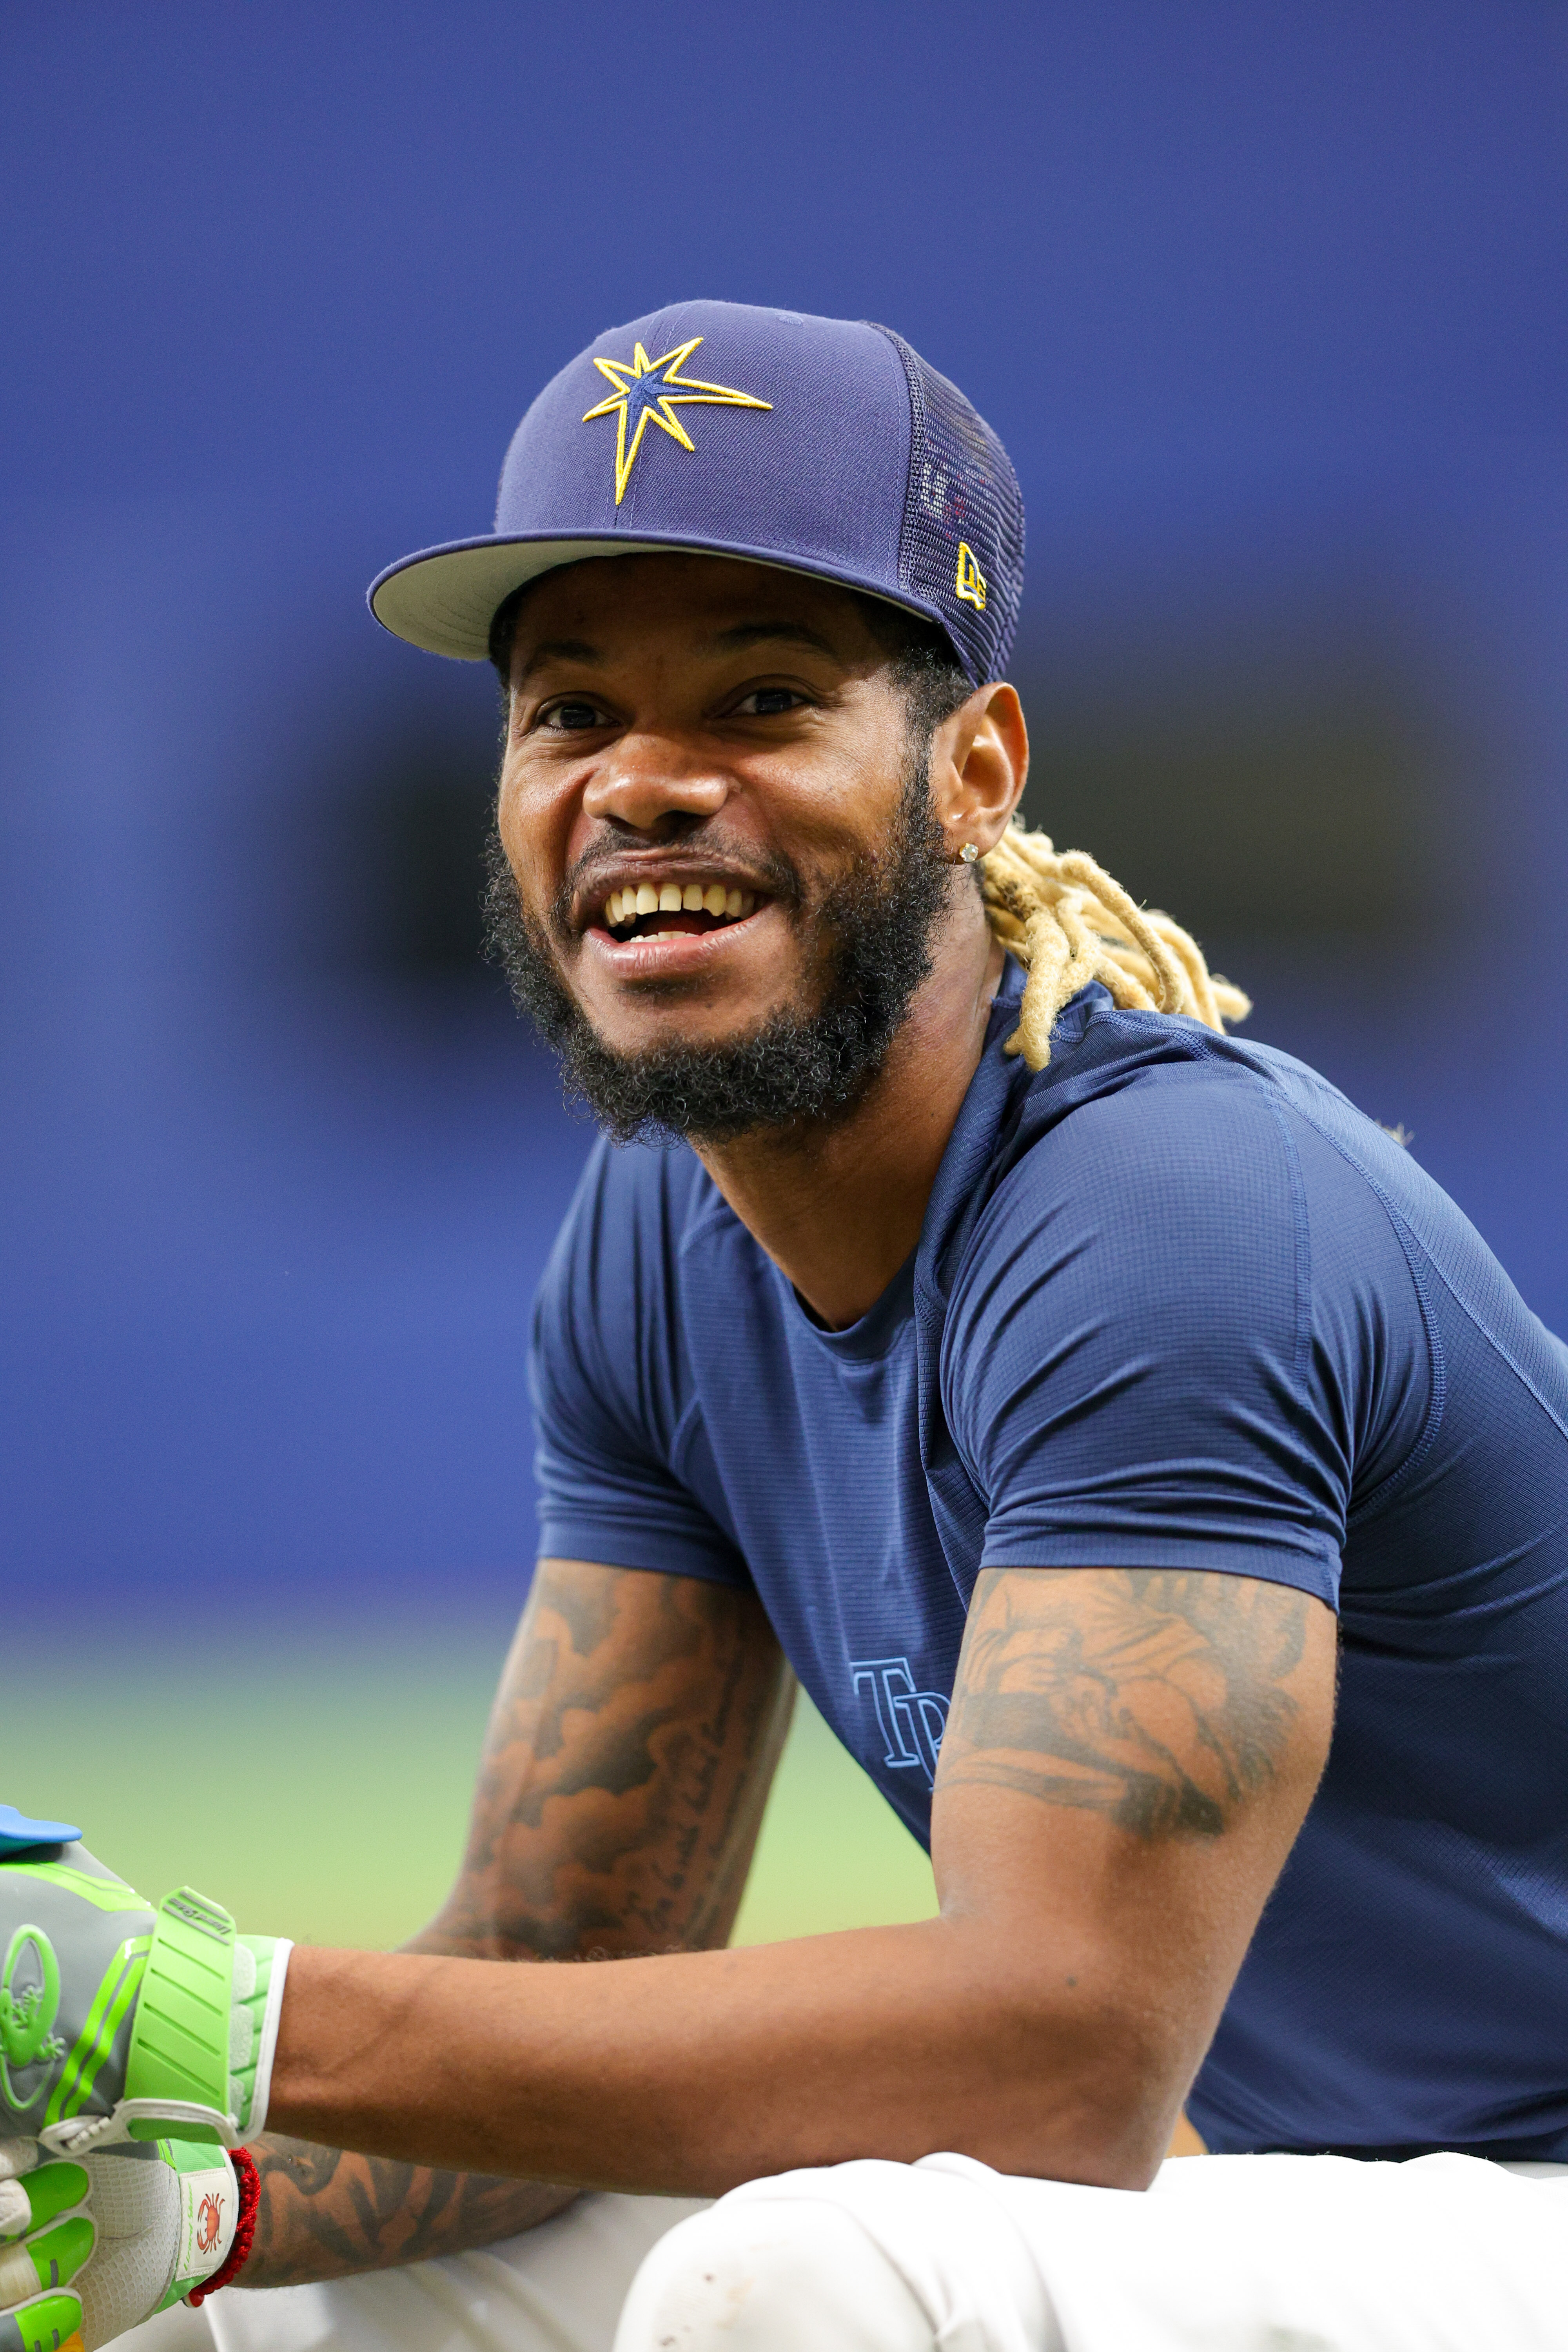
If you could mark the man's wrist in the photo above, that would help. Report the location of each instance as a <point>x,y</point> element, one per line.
<point>206,2026</point>
<point>247,2186</point>
<point>260,1975</point>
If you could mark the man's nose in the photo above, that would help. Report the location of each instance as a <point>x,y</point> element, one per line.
<point>644,779</point>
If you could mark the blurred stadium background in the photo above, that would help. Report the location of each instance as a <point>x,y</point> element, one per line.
<point>1267,305</point>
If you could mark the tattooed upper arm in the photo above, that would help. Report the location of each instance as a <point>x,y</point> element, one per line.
<point>626,1764</point>
<point>1129,1756</point>
<point>625,1767</point>
<point>1164,1699</point>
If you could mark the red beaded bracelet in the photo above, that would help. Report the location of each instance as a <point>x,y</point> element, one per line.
<point>249,2182</point>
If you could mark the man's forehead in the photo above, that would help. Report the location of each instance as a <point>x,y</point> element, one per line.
<point>711,605</point>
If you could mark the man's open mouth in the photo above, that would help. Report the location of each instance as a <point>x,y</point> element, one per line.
<point>655,910</point>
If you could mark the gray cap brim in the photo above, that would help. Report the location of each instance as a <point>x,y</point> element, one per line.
<point>445,598</point>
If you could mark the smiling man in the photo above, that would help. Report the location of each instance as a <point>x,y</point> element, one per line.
<point>731,945</point>
<point>1151,1476</point>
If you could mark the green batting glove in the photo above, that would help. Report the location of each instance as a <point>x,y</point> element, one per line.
<point>119,2020</point>
<point>89,2249</point>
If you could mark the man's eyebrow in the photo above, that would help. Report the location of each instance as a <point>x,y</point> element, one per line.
<point>745,634</point>
<point>567,649</point>
<point>752,633</point>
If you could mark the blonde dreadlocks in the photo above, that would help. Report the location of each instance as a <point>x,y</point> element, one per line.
<point>1068,923</point>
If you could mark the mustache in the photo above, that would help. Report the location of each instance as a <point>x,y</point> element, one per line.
<point>763,870</point>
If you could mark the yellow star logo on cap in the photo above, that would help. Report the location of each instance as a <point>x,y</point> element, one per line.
<point>650,391</point>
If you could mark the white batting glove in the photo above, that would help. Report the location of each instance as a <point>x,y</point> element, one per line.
<point>90,2248</point>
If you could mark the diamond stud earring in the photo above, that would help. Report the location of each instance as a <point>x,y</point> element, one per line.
<point>969,852</point>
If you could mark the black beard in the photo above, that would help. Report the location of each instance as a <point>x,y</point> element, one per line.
<point>869,938</point>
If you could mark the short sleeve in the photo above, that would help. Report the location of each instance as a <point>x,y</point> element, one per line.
<point>1129,1367</point>
<point>607,1382</point>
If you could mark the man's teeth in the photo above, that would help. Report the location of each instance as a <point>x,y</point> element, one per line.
<point>677,898</point>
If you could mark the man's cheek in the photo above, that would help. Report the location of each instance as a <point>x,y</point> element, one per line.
<point>534,835</point>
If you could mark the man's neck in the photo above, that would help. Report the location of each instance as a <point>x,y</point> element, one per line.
<point>838,1209</point>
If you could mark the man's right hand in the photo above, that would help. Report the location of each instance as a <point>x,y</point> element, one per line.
<point>120,2021</point>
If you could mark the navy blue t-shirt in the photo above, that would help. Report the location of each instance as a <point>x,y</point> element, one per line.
<point>1176,1304</point>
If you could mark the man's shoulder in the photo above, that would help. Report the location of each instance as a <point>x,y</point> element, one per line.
<point>1162,1158</point>
<point>609,1316</point>
<point>1162,1104</point>
<point>1139,1103</point>
<point>1155,1161</point>
<point>619,1247</point>
<point>1204,1116</point>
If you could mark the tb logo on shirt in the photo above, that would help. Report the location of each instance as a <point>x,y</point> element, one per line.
<point>911,1721</point>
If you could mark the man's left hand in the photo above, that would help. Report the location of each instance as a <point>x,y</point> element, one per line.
<point>89,2249</point>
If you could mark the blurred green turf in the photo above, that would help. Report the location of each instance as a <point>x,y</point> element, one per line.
<point>324,1795</point>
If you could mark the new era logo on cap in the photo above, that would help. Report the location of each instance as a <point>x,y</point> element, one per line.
<point>969,585</point>
<point>826,445</point>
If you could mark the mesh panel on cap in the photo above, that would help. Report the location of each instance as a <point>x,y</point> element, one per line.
<point>962,491</point>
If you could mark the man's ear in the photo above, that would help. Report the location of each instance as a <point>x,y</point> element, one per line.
<point>979,764</point>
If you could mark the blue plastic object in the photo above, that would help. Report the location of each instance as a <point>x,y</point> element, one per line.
<point>17,1832</point>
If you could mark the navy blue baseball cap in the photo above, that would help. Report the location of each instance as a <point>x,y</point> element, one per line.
<point>823,445</point>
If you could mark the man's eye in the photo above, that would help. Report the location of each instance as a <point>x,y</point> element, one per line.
<point>767,701</point>
<point>572,718</point>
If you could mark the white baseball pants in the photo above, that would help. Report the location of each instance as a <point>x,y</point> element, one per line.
<point>1273,2253</point>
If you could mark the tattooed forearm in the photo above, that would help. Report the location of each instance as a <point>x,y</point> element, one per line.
<point>625,1773</point>
<point>323,2214</point>
<point>1161,1699</point>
